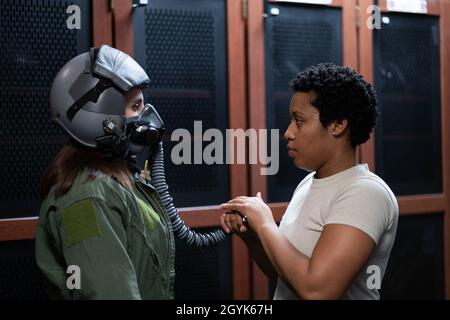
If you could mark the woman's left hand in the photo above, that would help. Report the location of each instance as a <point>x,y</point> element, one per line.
<point>255,209</point>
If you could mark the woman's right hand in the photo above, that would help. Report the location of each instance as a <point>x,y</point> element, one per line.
<point>231,222</point>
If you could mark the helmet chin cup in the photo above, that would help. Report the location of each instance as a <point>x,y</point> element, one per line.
<point>136,148</point>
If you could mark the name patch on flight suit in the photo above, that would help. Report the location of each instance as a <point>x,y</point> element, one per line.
<point>151,218</point>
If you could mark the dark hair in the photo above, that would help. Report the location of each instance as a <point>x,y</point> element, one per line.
<point>74,158</point>
<point>342,93</point>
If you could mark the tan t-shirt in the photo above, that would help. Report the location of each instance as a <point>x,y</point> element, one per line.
<point>355,197</point>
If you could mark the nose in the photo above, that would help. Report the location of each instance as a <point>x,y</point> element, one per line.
<point>289,134</point>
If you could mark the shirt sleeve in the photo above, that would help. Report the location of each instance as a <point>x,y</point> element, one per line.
<point>94,240</point>
<point>365,205</point>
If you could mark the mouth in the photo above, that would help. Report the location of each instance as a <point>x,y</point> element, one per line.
<point>291,152</point>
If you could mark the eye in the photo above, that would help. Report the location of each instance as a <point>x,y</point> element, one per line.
<point>299,122</point>
<point>136,107</point>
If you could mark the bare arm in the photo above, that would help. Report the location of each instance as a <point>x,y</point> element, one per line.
<point>258,254</point>
<point>339,255</point>
<point>232,222</point>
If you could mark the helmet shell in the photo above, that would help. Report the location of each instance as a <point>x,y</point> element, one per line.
<point>78,76</point>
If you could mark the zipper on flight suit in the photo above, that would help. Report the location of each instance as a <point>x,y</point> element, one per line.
<point>164,217</point>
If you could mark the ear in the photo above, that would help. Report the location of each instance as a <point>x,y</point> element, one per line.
<point>338,127</point>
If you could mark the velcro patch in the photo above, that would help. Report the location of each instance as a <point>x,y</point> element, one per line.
<point>151,218</point>
<point>80,222</point>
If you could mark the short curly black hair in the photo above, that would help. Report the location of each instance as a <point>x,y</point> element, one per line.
<point>342,93</point>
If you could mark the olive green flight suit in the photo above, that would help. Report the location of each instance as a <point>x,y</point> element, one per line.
<point>121,241</point>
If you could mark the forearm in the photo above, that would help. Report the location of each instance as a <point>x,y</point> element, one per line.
<point>258,254</point>
<point>338,256</point>
<point>292,266</point>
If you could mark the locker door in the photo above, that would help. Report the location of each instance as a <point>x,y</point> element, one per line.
<point>406,60</point>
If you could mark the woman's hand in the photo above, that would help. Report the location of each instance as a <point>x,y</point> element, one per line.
<point>231,222</point>
<point>255,209</point>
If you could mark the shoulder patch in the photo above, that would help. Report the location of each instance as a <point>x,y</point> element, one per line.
<point>150,216</point>
<point>80,222</point>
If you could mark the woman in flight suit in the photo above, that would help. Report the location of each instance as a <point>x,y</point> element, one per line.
<point>103,232</point>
